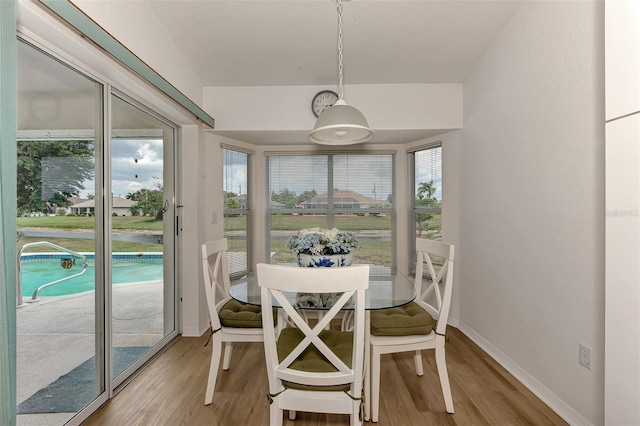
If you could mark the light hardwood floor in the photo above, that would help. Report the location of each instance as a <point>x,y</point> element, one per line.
<point>170,391</point>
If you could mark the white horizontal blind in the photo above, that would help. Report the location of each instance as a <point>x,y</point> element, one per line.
<point>427,195</point>
<point>237,208</point>
<point>352,192</point>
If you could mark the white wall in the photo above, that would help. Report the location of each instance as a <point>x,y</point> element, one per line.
<point>137,27</point>
<point>413,106</point>
<point>531,203</point>
<point>622,322</point>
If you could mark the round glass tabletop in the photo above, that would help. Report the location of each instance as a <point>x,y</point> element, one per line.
<point>387,289</point>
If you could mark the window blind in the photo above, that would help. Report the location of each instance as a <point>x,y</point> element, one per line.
<point>351,192</point>
<point>236,168</point>
<point>427,196</point>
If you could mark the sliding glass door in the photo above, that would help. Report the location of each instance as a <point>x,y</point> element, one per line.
<point>60,316</point>
<point>142,224</point>
<point>96,239</point>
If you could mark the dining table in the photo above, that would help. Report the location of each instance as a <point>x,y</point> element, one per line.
<point>388,288</point>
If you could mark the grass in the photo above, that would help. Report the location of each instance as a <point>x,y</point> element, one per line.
<point>373,251</point>
<point>136,223</point>
<point>133,223</point>
<point>279,222</point>
<point>88,245</point>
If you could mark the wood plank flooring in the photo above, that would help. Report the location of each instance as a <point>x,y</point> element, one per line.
<point>170,391</point>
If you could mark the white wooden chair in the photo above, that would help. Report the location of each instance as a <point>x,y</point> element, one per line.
<point>231,321</point>
<point>314,370</point>
<point>411,327</point>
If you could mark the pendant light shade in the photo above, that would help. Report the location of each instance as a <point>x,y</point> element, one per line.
<point>341,124</point>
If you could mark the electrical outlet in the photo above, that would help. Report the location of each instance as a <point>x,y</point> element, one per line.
<point>214,217</point>
<point>584,356</point>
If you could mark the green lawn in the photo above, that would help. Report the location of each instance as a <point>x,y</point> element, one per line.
<point>89,222</point>
<point>87,245</point>
<point>373,251</point>
<point>134,223</point>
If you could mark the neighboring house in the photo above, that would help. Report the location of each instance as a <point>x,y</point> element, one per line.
<point>345,200</point>
<point>275,205</point>
<point>120,206</point>
<point>76,200</point>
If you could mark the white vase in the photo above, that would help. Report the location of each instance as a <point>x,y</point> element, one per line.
<point>324,260</point>
<point>317,300</point>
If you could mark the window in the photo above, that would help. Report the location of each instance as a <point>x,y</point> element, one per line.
<point>236,166</point>
<point>426,196</point>
<point>346,191</point>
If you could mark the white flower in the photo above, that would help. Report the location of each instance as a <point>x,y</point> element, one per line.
<point>317,250</point>
<point>331,234</point>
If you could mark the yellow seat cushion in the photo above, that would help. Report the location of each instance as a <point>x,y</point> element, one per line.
<point>401,321</point>
<point>312,360</point>
<point>240,315</point>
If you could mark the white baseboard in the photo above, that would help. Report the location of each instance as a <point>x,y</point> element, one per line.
<point>193,331</point>
<point>561,408</point>
<point>453,322</point>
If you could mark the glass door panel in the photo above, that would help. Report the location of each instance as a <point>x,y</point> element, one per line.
<point>142,237</point>
<point>60,350</point>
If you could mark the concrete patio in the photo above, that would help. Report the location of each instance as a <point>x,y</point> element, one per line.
<point>57,334</point>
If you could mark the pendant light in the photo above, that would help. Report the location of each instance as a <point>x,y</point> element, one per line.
<point>340,124</point>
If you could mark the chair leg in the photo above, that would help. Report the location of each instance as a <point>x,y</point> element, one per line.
<point>228,347</point>
<point>375,384</point>
<point>275,414</point>
<point>355,414</point>
<point>418,360</point>
<point>444,376</point>
<point>216,352</point>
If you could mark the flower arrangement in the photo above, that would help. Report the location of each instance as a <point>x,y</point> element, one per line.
<point>316,241</point>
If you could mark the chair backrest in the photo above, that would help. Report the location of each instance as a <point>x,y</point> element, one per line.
<point>435,297</point>
<point>215,271</point>
<point>352,281</point>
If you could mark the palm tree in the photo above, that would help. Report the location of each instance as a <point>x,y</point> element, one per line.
<point>427,189</point>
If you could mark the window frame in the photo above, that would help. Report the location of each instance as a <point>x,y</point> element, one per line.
<point>415,209</point>
<point>332,213</point>
<point>245,211</point>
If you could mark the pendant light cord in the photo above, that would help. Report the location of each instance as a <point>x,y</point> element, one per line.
<point>340,89</point>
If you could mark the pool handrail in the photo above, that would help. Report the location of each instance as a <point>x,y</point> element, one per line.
<point>34,297</point>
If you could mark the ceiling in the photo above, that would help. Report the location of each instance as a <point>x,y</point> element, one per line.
<point>293,42</point>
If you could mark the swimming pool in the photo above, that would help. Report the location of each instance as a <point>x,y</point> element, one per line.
<point>41,268</point>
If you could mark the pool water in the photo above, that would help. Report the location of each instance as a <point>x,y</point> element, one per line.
<point>35,274</point>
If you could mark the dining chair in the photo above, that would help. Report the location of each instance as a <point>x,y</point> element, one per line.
<point>420,324</point>
<point>231,321</point>
<point>314,369</point>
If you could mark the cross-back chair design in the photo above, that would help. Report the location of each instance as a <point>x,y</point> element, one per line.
<point>419,325</point>
<point>231,321</point>
<point>314,369</point>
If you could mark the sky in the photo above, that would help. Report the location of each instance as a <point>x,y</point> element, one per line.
<point>136,164</point>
